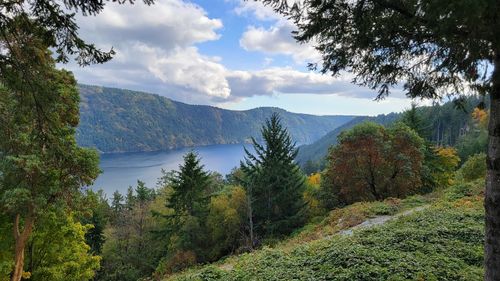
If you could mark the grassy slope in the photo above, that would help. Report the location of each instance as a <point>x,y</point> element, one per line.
<point>442,242</point>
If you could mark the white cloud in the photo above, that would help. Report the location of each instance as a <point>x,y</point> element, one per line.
<point>273,81</point>
<point>257,10</point>
<point>278,40</point>
<point>156,52</point>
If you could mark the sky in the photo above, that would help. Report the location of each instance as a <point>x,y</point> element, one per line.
<point>232,54</point>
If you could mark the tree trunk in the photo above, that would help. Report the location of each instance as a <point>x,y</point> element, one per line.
<point>21,238</point>
<point>492,194</point>
<point>250,218</point>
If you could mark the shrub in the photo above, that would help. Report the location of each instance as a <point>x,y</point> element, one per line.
<point>474,168</point>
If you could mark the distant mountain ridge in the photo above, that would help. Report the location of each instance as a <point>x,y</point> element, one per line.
<point>445,123</point>
<point>316,152</point>
<point>118,120</point>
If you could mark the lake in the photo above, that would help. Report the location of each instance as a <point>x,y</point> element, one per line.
<point>121,170</point>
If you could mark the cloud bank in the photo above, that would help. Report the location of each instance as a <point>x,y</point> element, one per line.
<point>157,51</point>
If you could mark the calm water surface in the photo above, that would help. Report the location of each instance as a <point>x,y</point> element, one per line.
<point>122,170</point>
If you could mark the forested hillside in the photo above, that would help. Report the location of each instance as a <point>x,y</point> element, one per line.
<point>447,124</point>
<point>117,120</point>
<point>315,152</point>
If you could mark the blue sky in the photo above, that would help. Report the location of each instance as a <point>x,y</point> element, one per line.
<point>233,54</point>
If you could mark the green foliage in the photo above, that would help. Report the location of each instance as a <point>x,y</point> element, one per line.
<point>96,214</point>
<point>41,166</point>
<point>274,182</point>
<point>317,151</point>
<point>474,168</point>
<point>57,19</point>
<point>378,42</point>
<point>58,251</point>
<point>185,226</point>
<point>475,139</point>
<point>116,120</point>
<point>225,222</point>
<point>132,250</point>
<point>414,120</point>
<point>443,242</point>
<point>439,125</point>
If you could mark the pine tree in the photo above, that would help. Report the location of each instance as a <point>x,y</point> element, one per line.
<point>189,202</point>
<point>413,119</point>
<point>274,181</point>
<point>189,185</point>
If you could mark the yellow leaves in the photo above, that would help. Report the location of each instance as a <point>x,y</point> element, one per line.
<point>314,179</point>
<point>26,275</point>
<point>480,116</point>
<point>448,161</point>
<point>448,157</point>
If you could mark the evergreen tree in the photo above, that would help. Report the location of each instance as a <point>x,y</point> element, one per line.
<point>41,166</point>
<point>190,184</point>
<point>413,119</point>
<point>275,183</point>
<point>116,205</point>
<point>185,226</point>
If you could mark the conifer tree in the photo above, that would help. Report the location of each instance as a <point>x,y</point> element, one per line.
<point>275,183</point>
<point>189,185</point>
<point>189,203</point>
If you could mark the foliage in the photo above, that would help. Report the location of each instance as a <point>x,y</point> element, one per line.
<point>313,196</point>
<point>373,163</point>
<point>57,19</point>
<point>96,213</point>
<point>41,166</point>
<point>447,161</point>
<point>474,168</point>
<point>439,124</point>
<point>185,226</point>
<point>415,121</point>
<point>58,251</point>
<point>117,120</point>
<point>443,242</point>
<point>379,40</point>
<point>475,138</point>
<point>274,182</point>
<point>225,222</point>
<point>131,249</point>
<point>316,152</point>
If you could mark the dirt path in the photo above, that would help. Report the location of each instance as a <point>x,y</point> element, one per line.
<point>379,221</point>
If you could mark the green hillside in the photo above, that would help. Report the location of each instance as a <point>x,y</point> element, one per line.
<point>440,240</point>
<point>117,120</point>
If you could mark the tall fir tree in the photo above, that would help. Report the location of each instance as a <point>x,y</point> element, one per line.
<point>274,182</point>
<point>190,184</point>
<point>189,202</point>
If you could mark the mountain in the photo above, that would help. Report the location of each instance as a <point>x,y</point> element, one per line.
<point>118,120</point>
<point>315,152</point>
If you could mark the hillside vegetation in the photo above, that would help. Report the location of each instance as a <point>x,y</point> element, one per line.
<point>448,124</point>
<point>441,242</point>
<point>316,151</point>
<point>117,120</point>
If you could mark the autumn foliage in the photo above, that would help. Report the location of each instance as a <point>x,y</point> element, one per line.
<point>372,163</point>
